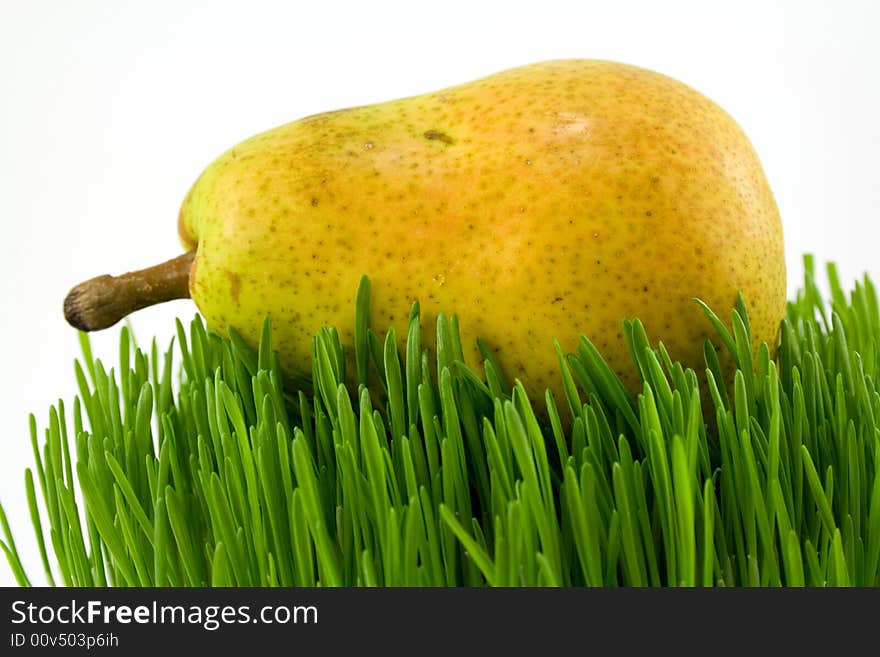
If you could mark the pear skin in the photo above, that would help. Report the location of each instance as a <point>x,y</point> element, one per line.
<point>543,202</point>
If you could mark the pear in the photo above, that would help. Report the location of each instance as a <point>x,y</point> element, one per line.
<point>546,201</point>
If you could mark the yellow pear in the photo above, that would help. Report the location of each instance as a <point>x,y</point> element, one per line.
<point>541,202</point>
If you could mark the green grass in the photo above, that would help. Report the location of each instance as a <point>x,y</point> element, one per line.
<point>198,466</point>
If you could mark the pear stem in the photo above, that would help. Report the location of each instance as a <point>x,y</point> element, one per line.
<point>100,302</point>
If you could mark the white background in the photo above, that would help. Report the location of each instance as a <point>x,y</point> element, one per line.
<point>109,110</point>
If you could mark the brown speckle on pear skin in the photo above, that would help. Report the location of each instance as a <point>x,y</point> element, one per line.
<point>234,286</point>
<point>439,136</point>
